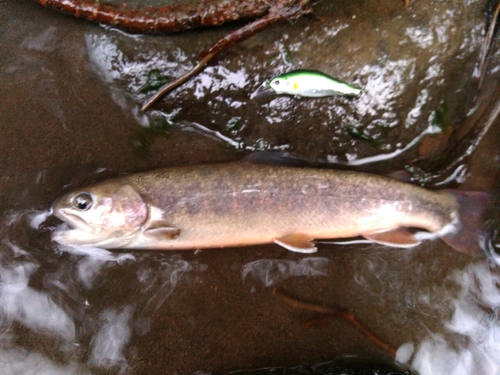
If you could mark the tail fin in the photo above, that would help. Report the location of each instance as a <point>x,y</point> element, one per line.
<point>472,235</point>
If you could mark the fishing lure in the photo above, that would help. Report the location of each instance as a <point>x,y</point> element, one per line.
<point>307,83</point>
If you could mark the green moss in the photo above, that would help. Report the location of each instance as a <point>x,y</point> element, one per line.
<point>358,134</point>
<point>154,81</point>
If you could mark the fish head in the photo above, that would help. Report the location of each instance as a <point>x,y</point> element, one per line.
<point>278,85</point>
<point>107,215</point>
<point>281,85</point>
<point>264,90</point>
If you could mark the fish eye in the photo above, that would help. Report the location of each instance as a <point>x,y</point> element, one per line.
<point>276,82</point>
<point>83,201</point>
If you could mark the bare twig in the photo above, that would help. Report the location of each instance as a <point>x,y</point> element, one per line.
<point>179,81</point>
<point>298,304</point>
<point>367,332</point>
<point>334,313</point>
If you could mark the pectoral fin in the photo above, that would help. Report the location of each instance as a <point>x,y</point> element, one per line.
<point>160,231</point>
<point>399,237</point>
<point>298,242</point>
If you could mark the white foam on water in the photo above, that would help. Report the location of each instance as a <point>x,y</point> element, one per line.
<point>17,361</point>
<point>55,306</point>
<point>405,352</point>
<point>111,339</point>
<point>470,341</point>
<point>35,310</point>
<point>38,217</point>
<point>96,252</point>
<point>47,41</point>
<point>270,272</point>
<point>159,283</point>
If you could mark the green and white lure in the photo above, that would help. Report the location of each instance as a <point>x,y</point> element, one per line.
<point>307,83</point>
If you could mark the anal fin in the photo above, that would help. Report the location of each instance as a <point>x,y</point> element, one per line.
<point>298,242</point>
<point>398,237</point>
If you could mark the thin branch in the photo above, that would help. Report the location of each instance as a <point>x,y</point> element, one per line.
<point>298,304</point>
<point>179,81</point>
<point>366,331</point>
<point>334,313</point>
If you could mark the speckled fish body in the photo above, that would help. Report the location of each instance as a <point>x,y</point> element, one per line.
<point>239,204</point>
<point>308,83</point>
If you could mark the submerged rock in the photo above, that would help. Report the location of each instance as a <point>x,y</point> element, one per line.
<point>408,62</point>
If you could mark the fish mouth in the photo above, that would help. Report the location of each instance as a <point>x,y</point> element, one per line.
<point>264,90</point>
<point>72,221</point>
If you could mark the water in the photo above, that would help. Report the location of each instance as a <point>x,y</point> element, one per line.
<point>70,116</point>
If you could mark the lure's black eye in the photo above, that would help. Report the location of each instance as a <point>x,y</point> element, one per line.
<point>83,201</point>
<point>276,83</point>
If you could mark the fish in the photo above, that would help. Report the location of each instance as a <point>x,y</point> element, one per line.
<point>246,203</point>
<point>307,83</point>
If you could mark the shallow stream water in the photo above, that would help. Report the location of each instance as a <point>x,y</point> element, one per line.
<point>70,115</point>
